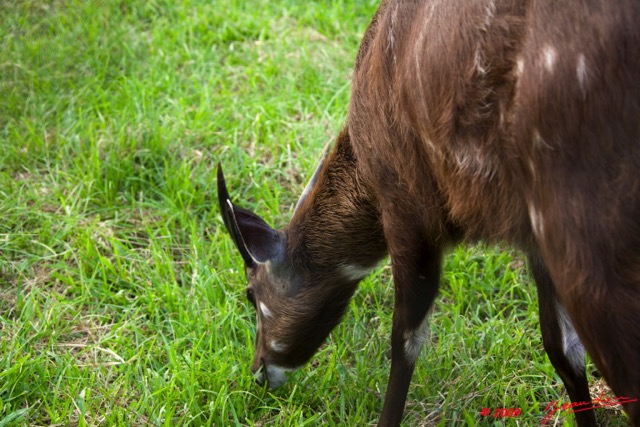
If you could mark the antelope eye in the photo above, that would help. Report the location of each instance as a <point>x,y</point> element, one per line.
<point>251,297</point>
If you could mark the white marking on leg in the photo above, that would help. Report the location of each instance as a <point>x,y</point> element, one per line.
<point>537,222</point>
<point>277,375</point>
<point>355,272</point>
<point>582,73</point>
<point>277,346</point>
<point>414,340</point>
<point>265,310</point>
<point>549,55</point>
<point>571,344</point>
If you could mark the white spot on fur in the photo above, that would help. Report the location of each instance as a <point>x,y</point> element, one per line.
<point>501,123</point>
<point>480,62</point>
<point>265,310</point>
<point>490,11</point>
<point>355,272</point>
<point>433,149</point>
<point>391,39</point>
<point>519,67</point>
<point>549,55</point>
<point>538,142</point>
<point>268,266</point>
<point>532,168</point>
<point>414,340</point>
<point>537,222</point>
<point>277,346</point>
<point>571,344</point>
<point>258,321</point>
<point>582,73</point>
<point>479,58</point>
<point>471,160</point>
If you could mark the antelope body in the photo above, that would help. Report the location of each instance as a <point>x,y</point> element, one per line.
<point>496,120</point>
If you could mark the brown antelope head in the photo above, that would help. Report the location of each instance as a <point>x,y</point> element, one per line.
<point>300,279</point>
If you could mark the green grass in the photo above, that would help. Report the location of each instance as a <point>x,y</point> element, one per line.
<point>121,294</point>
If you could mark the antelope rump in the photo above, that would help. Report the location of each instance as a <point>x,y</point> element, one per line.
<point>497,120</point>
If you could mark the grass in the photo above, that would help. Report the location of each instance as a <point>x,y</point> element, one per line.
<point>121,294</point>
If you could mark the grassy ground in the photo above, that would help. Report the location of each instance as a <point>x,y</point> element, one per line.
<point>121,295</point>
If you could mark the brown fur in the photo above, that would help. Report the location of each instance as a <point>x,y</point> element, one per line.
<point>505,120</point>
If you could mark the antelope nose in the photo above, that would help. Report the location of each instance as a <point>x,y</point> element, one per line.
<point>271,375</point>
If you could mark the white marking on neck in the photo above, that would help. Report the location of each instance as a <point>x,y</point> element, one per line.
<point>582,73</point>
<point>571,344</point>
<point>549,55</point>
<point>355,272</point>
<point>265,310</point>
<point>414,340</point>
<point>277,346</point>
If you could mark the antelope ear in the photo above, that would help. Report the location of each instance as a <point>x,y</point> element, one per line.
<point>256,241</point>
